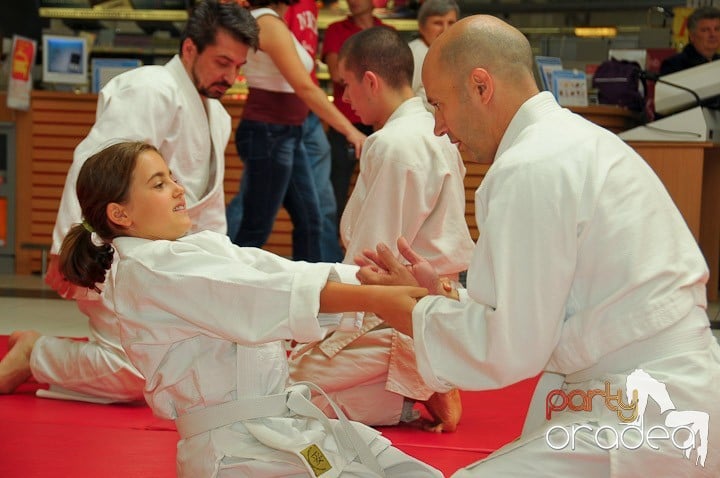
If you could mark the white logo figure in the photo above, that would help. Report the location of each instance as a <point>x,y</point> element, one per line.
<point>695,421</point>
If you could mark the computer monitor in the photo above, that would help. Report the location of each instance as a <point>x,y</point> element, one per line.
<point>65,59</point>
<point>671,91</point>
<point>105,69</point>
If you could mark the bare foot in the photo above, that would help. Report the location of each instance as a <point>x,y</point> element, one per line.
<point>446,409</point>
<point>15,366</point>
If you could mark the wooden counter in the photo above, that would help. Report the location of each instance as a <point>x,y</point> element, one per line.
<point>614,118</point>
<point>47,134</point>
<point>691,174</point>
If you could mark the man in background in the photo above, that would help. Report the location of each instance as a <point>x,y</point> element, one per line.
<point>703,26</point>
<point>434,17</point>
<point>344,158</point>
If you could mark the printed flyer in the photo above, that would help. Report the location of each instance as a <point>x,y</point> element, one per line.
<point>22,59</point>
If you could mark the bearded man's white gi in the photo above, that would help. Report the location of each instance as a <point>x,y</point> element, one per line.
<point>159,105</point>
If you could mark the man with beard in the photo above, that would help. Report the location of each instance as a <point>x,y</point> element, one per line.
<point>175,108</point>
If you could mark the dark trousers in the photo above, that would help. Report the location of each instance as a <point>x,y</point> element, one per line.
<point>277,172</point>
<point>343,165</point>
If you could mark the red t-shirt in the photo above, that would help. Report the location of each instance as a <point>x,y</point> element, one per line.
<point>335,36</point>
<point>301,19</point>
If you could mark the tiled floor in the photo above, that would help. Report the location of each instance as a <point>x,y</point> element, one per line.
<point>27,303</point>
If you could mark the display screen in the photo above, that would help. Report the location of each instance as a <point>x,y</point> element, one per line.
<point>65,59</point>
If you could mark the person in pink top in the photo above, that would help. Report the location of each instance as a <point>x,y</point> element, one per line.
<point>343,157</point>
<point>269,137</point>
<point>301,20</point>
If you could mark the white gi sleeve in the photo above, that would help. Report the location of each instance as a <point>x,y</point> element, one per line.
<point>252,301</point>
<point>518,285</point>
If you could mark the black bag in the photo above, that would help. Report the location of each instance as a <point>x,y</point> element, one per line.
<point>618,83</point>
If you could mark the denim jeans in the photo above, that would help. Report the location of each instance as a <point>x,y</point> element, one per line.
<point>343,165</point>
<point>317,148</point>
<point>277,172</point>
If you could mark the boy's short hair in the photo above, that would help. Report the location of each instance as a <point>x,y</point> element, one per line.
<point>381,50</point>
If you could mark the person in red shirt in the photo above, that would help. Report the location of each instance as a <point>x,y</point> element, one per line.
<point>344,158</point>
<point>301,19</point>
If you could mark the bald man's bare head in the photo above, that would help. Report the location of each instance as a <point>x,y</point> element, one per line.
<point>484,41</point>
<point>477,75</point>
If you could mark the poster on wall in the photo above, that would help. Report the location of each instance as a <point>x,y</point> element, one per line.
<point>570,87</point>
<point>679,26</point>
<point>546,65</point>
<point>22,59</point>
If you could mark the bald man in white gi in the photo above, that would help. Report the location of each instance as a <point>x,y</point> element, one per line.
<point>584,269</point>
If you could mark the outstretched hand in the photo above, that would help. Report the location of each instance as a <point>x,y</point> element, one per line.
<point>382,267</point>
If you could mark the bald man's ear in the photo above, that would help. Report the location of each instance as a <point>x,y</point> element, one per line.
<point>117,215</point>
<point>481,84</point>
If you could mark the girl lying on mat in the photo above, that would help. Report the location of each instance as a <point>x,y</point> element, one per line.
<point>204,321</point>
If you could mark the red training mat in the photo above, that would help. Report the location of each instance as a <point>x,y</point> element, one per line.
<point>43,437</point>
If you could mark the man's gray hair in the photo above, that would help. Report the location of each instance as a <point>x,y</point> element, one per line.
<point>432,8</point>
<point>702,13</point>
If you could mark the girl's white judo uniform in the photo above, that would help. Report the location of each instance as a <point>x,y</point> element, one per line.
<point>204,321</point>
<point>160,105</point>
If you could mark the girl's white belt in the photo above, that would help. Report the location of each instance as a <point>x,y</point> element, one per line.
<point>295,400</point>
<point>223,414</point>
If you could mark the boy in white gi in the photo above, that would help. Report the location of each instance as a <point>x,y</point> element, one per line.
<point>205,322</point>
<point>175,107</point>
<point>584,268</point>
<point>410,184</point>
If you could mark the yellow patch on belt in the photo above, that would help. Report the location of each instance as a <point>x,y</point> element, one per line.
<point>316,459</point>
